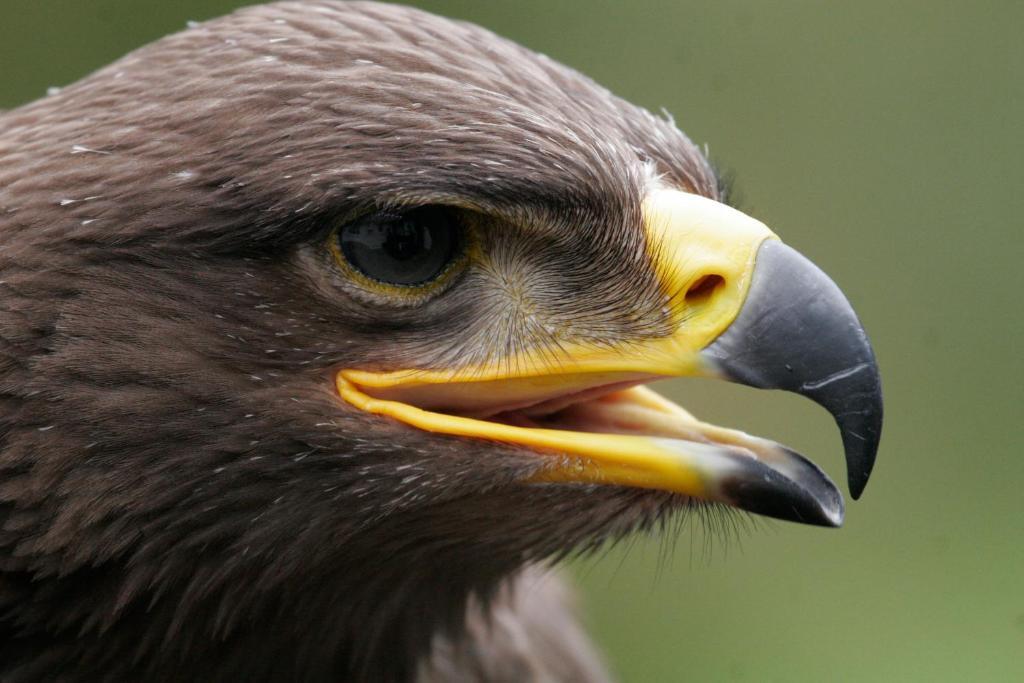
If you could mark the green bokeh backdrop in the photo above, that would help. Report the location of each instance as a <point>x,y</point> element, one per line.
<point>883,139</point>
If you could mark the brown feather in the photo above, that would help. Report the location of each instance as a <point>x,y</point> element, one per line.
<point>182,496</point>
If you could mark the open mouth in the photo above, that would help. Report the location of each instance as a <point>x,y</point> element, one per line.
<point>614,433</point>
<point>773,320</point>
<point>610,432</point>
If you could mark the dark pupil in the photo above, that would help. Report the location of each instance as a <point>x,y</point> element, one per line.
<point>409,249</point>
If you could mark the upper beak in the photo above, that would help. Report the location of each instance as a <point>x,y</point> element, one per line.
<point>747,308</point>
<point>797,332</point>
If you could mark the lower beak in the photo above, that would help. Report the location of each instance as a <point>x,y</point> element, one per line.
<point>774,321</point>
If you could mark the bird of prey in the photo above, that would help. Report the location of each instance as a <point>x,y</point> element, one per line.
<point>325,326</point>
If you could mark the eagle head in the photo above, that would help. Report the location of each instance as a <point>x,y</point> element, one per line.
<point>323,322</point>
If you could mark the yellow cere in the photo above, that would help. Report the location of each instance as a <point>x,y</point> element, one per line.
<point>691,238</point>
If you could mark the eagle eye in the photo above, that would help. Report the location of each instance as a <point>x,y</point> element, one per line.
<point>407,249</point>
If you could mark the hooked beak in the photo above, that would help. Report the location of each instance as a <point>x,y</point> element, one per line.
<point>797,332</point>
<point>752,310</point>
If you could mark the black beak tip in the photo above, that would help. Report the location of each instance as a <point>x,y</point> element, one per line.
<point>857,478</point>
<point>773,495</point>
<point>794,489</point>
<point>856,404</point>
<point>860,443</point>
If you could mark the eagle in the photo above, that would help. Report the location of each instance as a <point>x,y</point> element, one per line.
<point>325,330</point>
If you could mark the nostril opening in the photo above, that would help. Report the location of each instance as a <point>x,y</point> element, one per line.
<point>703,289</point>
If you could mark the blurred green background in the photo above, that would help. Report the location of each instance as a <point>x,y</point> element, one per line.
<point>883,139</point>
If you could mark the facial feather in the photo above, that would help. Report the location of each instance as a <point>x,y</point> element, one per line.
<point>178,480</point>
